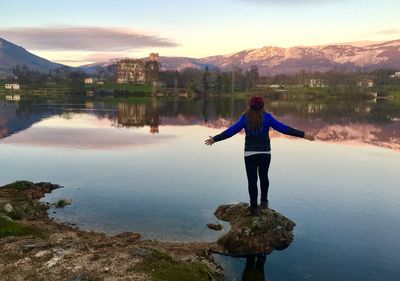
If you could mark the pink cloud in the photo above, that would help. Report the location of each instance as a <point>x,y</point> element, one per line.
<point>84,38</point>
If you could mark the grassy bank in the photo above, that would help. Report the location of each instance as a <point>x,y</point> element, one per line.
<point>12,228</point>
<point>143,88</point>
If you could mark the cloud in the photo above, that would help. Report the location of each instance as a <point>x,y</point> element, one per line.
<point>392,31</point>
<point>83,38</point>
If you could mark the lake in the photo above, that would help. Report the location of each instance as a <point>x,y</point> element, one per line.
<point>141,165</point>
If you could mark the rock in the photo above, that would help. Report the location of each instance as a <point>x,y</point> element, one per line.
<point>216,227</point>
<point>63,202</point>
<point>254,234</point>
<point>7,218</point>
<point>129,237</point>
<point>142,252</point>
<point>8,208</point>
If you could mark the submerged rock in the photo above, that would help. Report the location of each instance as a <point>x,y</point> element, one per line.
<point>213,226</point>
<point>254,234</point>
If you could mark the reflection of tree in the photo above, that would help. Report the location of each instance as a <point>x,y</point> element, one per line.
<point>372,122</point>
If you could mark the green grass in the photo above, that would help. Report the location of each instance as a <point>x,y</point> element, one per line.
<point>63,202</point>
<point>19,185</point>
<point>9,228</point>
<point>121,87</point>
<point>162,267</point>
<point>395,93</point>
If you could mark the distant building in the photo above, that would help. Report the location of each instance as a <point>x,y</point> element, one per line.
<point>89,80</point>
<point>131,71</point>
<point>276,86</point>
<point>154,57</point>
<point>100,82</point>
<point>365,83</point>
<point>9,97</point>
<point>12,86</point>
<point>317,83</point>
<point>138,71</point>
<point>395,75</point>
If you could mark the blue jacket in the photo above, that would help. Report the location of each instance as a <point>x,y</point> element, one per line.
<point>258,140</point>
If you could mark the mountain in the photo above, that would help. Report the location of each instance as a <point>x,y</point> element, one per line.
<point>12,55</point>
<point>275,60</point>
<point>270,60</point>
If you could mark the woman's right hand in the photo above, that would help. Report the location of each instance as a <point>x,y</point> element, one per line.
<point>209,141</point>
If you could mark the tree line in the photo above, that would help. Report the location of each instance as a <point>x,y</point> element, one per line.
<point>213,79</point>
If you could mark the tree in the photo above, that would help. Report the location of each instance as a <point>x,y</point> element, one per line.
<point>205,82</point>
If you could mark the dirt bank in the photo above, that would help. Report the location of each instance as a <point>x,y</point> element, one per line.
<point>34,247</point>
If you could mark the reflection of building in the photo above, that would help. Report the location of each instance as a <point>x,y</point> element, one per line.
<point>317,83</point>
<point>365,83</point>
<point>13,98</point>
<point>137,115</point>
<point>138,71</point>
<point>12,86</point>
<point>89,80</point>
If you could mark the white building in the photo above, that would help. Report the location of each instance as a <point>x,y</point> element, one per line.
<point>12,86</point>
<point>100,82</point>
<point>13,98</point>
<point>89,80</point>
<point>365,83</point>
<point>276,86</point>
<point>317,83</point>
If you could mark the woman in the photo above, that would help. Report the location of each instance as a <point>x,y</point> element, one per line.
<point>257,149</point>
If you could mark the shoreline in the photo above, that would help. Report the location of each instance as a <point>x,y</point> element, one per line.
<point>36,247</point>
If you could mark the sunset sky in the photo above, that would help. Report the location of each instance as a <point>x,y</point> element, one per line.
<point>80,32</point>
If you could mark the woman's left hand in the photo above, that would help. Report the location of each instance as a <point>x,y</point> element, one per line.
<point>309,136</point>
<point>209,141</point>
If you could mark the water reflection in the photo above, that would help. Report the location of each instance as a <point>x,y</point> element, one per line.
<point>341,121</point>
<point>254,269</point>
<point>122,177</point>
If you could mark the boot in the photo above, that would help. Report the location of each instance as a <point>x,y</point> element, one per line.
<point>264,204</point>
<point>254,212</point>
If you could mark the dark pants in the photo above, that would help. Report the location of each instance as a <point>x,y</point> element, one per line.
<point>257,163</point>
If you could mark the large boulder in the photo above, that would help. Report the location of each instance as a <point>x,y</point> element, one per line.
<point>254,234</point>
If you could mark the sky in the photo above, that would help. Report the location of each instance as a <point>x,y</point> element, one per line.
<point>81,32</point>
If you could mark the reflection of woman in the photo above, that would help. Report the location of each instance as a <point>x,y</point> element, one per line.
<point>257,149</point>
<point>254,270</point>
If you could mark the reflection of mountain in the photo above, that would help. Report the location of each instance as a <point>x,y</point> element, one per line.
<point>13,119</point>
<point>339,121</point>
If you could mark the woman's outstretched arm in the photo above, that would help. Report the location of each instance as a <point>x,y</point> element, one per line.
<point>231,131</point>
<point>285,129</point>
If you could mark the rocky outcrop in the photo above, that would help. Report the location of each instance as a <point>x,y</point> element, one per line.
<point>34,247</point>
<point>254,234</point>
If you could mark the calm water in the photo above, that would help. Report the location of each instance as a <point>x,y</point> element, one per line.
<point>141,165</point>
